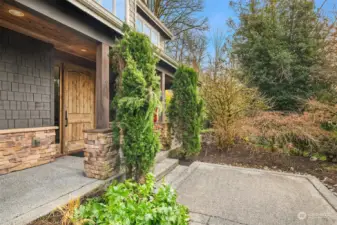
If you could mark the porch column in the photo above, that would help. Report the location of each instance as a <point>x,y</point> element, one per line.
<point>163,99</point>
<point>102,86</point>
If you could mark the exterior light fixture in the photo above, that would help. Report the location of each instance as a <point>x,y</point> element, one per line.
<point>15,12</point>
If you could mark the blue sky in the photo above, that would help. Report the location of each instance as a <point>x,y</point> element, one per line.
<point>219,11</point>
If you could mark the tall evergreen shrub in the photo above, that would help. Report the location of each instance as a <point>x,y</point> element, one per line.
<point>136,100</point>
<point>184,111</point>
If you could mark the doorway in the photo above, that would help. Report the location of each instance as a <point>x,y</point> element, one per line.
<point>74,106</point>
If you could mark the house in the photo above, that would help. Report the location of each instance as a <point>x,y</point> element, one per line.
<point>55,77</point>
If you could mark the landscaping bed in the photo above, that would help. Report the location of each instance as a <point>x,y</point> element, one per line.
<point>244,155</point>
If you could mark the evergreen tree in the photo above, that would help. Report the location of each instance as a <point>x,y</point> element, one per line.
<point>278,45</point>
<point>137,98</point>
<point>185,110</point>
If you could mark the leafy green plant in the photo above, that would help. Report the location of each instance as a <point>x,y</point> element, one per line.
<point>130,203</point>
<point>136,100</point>
<point>184,112</point>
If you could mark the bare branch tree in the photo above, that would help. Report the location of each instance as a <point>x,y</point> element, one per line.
<point>183,19</point>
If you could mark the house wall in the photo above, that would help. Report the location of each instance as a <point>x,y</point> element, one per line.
<point>132,13</point>
<point>26,96</point>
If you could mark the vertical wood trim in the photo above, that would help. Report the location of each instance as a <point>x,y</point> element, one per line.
<point>163,95</point>
<point>114,10</point>
<point>61,118</point>
<point>102,86</point>
<point>127,12</point>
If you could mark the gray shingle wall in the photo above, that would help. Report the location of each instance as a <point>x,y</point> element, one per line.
<point>132,13</point>
<point>26,90</point>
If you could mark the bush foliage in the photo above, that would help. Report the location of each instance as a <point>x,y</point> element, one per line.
<point>136,100</point>
<point>227,101</point>
<point>184,111</point>
<point>282,53</point>
<point>131,203</point>
<point>304,134</point>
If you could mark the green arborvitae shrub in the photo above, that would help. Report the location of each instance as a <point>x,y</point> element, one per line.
<point>134,204</point>
<point>136,100</point>
<point>184,111</point>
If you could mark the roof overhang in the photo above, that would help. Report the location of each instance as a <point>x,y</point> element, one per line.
<point>100,13</point>
<point>167,59</point>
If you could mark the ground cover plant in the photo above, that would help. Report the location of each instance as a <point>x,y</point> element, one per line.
<point>127,203</point>
<point>134,204</point>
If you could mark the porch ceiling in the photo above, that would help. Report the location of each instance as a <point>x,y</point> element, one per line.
<point>61,37</point>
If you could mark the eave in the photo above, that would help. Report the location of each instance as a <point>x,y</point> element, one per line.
<point>98,12</point>
<point>167,59</point>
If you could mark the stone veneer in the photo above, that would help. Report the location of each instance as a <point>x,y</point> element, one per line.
<point>100,155</point>
<point>24,148</point>
<point>165,135</point>
<point>167,138</point>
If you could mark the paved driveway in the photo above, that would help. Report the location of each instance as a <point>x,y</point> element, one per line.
<point>225,195</point>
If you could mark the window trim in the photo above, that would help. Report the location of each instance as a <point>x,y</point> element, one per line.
<point>114,9</point>
<point>152,30</point>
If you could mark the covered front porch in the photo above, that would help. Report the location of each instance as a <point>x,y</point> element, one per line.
<point>32,193</point>
<point>56,74</point>
<point>26,195</point>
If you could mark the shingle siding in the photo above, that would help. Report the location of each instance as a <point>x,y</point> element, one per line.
<point>132,13</point>
<point>25,81</point>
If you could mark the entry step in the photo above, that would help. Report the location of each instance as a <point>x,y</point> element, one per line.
<point>164,167</point>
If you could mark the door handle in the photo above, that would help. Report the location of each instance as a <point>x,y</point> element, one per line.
<point>66,118</point>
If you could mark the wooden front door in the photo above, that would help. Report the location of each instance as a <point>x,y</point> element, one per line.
<point>78,106</point>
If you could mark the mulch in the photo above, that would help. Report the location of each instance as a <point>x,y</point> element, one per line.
<point>244,155</point>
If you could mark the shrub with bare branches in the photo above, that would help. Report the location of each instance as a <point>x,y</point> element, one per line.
<point>227,102</point>
<point>310,133</point>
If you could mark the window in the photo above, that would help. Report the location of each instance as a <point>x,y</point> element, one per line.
<point>116,7</point>
<point>139,26</point>
<point>120,9</point>
<point>155,37</point>
<point>145,28</point>
<point>57,72</point>
<point>107,4</point>
<point>151,4</point>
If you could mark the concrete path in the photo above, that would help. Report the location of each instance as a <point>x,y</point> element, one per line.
<point>222,195</point>
<point>29,194</point>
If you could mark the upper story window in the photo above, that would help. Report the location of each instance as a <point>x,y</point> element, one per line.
<point>150,4</point>
<point>116,7</point>
<point>145,28</point>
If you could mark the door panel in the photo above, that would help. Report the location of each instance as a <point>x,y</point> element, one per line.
<point>78,106</point>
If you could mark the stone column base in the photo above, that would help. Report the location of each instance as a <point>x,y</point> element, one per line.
<point>165,135</point>
<point>100,155</point>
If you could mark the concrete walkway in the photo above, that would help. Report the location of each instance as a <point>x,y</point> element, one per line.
<point>215,195</point>
<point>222,195</point>
<point>29,194</point>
